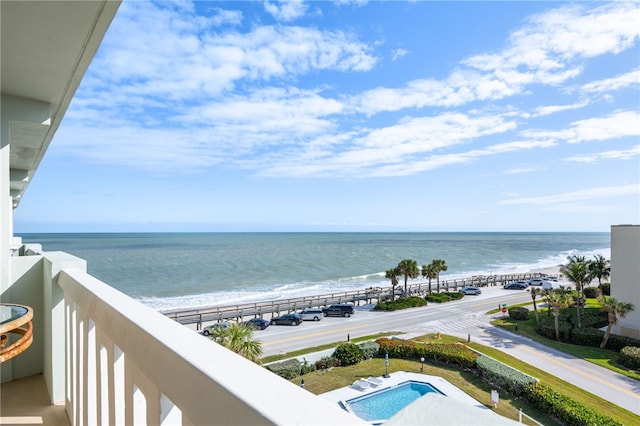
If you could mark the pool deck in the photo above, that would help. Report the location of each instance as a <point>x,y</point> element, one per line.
<point>344,394</point>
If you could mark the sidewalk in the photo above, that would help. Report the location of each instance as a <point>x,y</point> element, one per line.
<point>616,388</point>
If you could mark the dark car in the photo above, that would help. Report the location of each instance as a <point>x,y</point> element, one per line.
<point>515,285</point>
<point>257,323</point>
<point>287,319</point>
<point>339,310</point>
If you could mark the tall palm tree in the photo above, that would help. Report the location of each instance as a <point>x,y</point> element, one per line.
<point>409,269</point>
<point>577,271</point>
<point>534,293</point>
<point>614,310</point>
<point>600,268</point>
<point>440,266</point>
<point>239,339</point>
<point>392,274</point>
<point>429,272</point>
<point>558,299</point>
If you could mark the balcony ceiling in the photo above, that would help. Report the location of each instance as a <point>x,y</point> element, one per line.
<point>46,47</point>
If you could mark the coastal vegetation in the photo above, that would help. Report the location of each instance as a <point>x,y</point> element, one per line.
<point>614,310</point>
<point>239,339</point>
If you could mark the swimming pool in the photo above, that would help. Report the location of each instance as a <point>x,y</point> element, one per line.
<point>385,403</point>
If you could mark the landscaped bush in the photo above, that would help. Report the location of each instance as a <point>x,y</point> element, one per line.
<point>519,313</point>
<point>307,367</point>
<point>327,362</point>
<point>444,297</point>
<point>616,343</point>
<point>630,357</point>
<point>348,354</point>
<point>369,349</point>
<point>288,369</point>
<point>586,336</point>
<point>503,376</point>
<point>606,289</point>
<point>546,327</point>
<point>592,292</point>
<point>563,408</point>
<point>597,319</point>
<point>444,353</point>
<point>401,303</point>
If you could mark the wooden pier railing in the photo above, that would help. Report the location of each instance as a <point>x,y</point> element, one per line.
<point>237,312</point>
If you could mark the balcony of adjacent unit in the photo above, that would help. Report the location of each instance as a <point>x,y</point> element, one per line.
<point>100,357</point>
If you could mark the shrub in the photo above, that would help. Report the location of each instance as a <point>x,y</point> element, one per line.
<point>400,303</point>
<point>630,357</point>
<point>327,362</point>
<point>288,369</point>
<point>519,313</point>
<point>563,408</point>
<point>503,376</point>
<point>596,319</point>
<point>587,336</point>
<point>444,297</point>
<point>445,353</point>
<point>348,354</point>
<point>307,367</point>
<point>546,327</point>
<point>369,349</point>
<point>616,342</point>
<point>592,292</point>
<point>606,289</point>
<point>397,348</point>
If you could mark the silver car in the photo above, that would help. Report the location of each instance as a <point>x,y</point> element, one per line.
<point>471,290</point>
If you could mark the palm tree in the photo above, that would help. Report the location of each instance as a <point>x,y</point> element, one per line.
<point>614,310</point>
<point>534,293</point>
<point>558,299</point>
<point>600,268</point>
<point>239,339</point>
<point>392,274</point>
<point>439,265</point>
<point>428,271</point>
<point>577,271</point>
<point>408,268</point>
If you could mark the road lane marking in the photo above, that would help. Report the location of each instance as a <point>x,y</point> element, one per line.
<point>290,339</point>
<point>577,371</point>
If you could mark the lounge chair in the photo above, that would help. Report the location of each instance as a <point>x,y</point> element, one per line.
<point>361,384</point>
<point>374,381</point>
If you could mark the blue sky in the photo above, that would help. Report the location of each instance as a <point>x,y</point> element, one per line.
<point>350,116</point>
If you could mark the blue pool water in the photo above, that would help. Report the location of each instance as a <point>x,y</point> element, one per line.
<point>383,404</point>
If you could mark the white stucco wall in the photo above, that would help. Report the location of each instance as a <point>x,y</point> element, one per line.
<point>625,275</point>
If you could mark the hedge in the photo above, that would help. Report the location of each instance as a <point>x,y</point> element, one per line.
<point>348,354</point>
<point>565,409</point>
<point>606,289</point>
<point>400,303</point>
<point>444,353</point>
<point>503,376</point>
<point>288,369</point>
<point>444,297</point>
<point>369,349</point>
<point>592,292</point>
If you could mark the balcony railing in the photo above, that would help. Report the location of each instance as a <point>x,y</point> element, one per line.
<point>125,363</point>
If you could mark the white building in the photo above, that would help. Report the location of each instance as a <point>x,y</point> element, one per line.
<point>106,357</point>
<point>625,276</point>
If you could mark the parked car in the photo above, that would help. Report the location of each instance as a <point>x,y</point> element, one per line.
<point>536,281</point>
<point>311,314</point>
<point>257,323</point>
<point>470,290</point>
<point>339,310</point>
<point>208,330</point>
<point>516,285</point>
<point>287,319</point>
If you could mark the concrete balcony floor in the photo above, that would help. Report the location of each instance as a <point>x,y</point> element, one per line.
<point>26,402</point>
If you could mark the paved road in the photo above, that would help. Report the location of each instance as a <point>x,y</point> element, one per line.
<point>463,318</point>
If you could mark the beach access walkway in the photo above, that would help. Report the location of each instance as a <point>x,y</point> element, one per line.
<point>609,385</point>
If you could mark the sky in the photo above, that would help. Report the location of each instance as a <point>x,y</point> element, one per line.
<point>350,116</point>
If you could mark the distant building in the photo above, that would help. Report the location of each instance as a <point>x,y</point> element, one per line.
<point>625,276</point>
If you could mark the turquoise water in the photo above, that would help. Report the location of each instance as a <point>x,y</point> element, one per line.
<point>385,403</point>
<point>171,270</point>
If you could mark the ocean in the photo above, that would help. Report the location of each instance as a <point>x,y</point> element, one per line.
<point>173,270</point>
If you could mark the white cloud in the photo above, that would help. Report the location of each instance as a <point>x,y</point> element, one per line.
<point>286,10</point>
<point>616,125</point>
<point>589,194</point>
<point>622,81</point>
<point>552,109</point>
<point>399,53</point>
<point>607,155</point>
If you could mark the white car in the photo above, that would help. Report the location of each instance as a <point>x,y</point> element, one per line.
<point>209,329</point>
<point>311,314</point>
